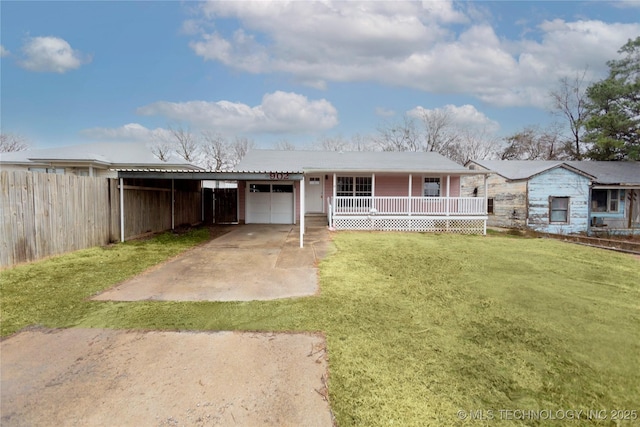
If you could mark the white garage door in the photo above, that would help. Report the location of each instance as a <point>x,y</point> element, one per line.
<point>269,203</point>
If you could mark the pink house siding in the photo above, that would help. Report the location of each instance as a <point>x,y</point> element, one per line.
<point>392,185</point>
<point>398,185</point>
<point>386,185</point>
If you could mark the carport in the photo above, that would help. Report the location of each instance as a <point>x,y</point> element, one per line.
<point>269,197</point>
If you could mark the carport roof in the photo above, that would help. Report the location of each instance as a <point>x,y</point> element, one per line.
<point>195,174</point>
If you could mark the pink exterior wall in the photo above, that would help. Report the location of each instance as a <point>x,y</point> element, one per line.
<point>386,185</point>
<point>390,185</point>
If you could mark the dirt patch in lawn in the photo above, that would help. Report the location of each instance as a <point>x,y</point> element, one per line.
<point>94,377</point>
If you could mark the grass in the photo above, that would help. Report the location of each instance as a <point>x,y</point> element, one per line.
<point>418,326</point>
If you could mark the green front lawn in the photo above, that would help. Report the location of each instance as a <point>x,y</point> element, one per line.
<point>419,326</point>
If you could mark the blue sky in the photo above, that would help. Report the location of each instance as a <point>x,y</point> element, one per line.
<point>75,72</point>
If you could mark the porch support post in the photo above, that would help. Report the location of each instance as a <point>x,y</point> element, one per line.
<point>202,200</point>
<point>410,191</point>
<point>90,170</point>
<point>373,190</point>
<point>173,205</point>
<point>302,212</point>
<point>486,203</point>
<point>121,210</point>
<point>334,188</point>
<point>486,196</point>
<point>448,193</point>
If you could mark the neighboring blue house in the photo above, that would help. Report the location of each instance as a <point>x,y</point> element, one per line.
<point>561,197</point>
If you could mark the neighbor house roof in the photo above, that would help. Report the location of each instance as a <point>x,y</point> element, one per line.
<point>610,172</point>
<point>348,161</point>
<point>108,154</point>
<point>599,172</point>
<point>517,169</point>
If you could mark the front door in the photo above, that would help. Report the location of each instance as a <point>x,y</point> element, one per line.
<point>313,194</point>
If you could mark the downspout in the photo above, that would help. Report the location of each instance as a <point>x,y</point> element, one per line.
<point>121,210</point>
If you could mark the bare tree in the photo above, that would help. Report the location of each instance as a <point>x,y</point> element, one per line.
<point>216,150</point>
<point>11,142</point>
<point>186,143</point>
<point>399,136</point>
<point>240,147</point>
<point>439,132</point>
<point>569,100</point>
<point>335,143</point>
<point>473,144</point>
<point>361,143</point>
<point>160,145</point>
<point>285,145</point>
<point>534,143</point>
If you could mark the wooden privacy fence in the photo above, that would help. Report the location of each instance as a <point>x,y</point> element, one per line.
<point>48,214</point>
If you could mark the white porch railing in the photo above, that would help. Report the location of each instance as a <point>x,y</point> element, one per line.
<point>407,206</point>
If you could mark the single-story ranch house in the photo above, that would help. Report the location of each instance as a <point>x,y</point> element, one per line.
<point>413,191</point>
<point>560,196</point>
<point>361,190</point>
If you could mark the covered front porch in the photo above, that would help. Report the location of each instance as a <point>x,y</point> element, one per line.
<point>423,208</point>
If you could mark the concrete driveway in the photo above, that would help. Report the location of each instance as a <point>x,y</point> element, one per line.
<point>101,377</point>
<point>251,262</point>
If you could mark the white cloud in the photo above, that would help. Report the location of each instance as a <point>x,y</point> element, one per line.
<point>623,4</point>
<point>279,112</point>
<point>384,112</point>
<point>465,117</point>
<point>128,132</point>
<point>51,54</point>
<point>4,52</point>
<point>436,46</point>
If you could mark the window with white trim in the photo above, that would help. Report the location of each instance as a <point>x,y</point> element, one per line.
<point>559,210</point>
<point>350,186</point>
<point>431,187</point>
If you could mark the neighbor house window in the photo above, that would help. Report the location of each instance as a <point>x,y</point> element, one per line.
<point>431,187</point>
<point>559,209</point>
<point>353,186</point>
<point>490,205</point>
<point>59,171</point>
<point>606,200</point>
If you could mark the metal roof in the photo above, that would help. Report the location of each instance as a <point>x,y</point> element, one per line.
<point>518,169</point>
<point>134,154</point>
<point>349,161</point>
